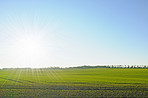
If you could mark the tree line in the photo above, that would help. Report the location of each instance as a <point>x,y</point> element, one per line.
<point>84,67</point>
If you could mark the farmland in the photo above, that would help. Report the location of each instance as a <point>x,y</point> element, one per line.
<point>70,82</point>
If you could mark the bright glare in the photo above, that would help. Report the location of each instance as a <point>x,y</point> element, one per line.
<point>29,51</point>
<point>29,42</point>
<point>29,46</point>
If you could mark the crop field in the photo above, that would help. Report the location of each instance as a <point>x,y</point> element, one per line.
<point>91,82</point>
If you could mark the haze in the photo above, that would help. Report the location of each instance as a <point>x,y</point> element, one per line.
<point>45,33</point>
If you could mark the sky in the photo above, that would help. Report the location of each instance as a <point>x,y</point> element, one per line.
<point>46,33</point>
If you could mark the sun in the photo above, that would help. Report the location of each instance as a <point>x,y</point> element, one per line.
<point>29,51</point>
<point>30,42</point>
<point>29,46</point>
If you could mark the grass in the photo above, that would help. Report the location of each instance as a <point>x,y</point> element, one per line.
<point>93,82</point>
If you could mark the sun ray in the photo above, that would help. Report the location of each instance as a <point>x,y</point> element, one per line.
<point>29,42</point>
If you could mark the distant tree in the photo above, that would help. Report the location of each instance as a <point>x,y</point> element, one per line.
<point>128,66</point>
<point>144,67</point>
<point>131,66</point>
<point>112,66</point>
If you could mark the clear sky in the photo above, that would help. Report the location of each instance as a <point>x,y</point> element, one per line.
<point>44,33</point>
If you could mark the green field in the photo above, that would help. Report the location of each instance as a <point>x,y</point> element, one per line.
<point>93,82</point>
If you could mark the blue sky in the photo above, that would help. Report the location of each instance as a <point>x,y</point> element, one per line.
<point>75,32</point>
